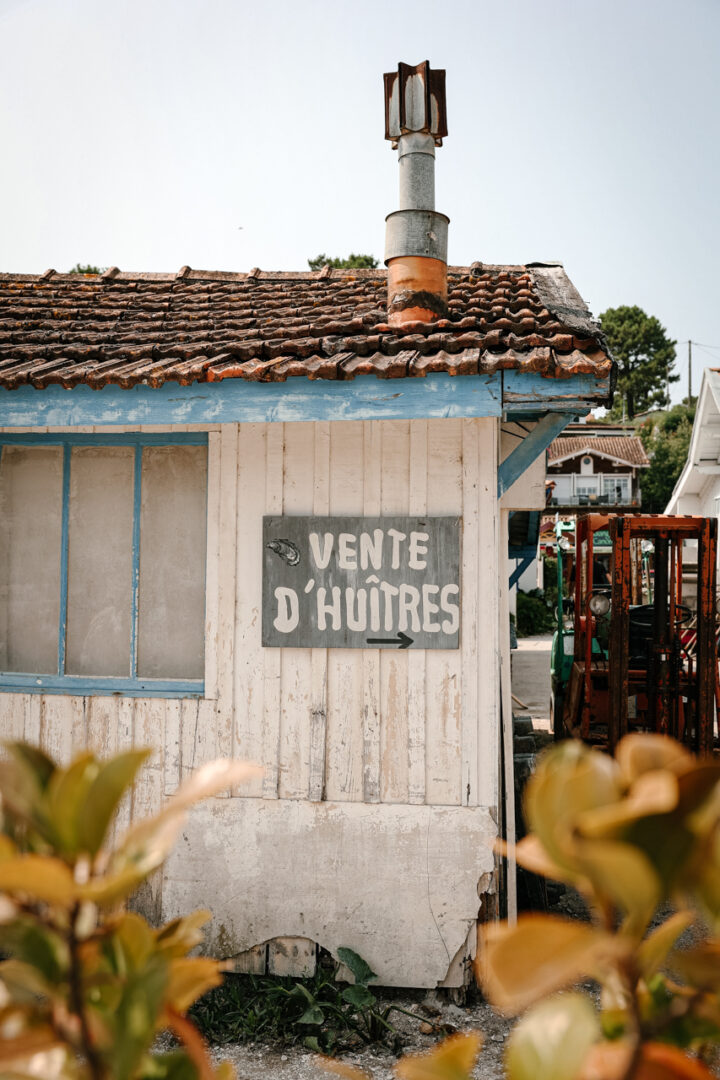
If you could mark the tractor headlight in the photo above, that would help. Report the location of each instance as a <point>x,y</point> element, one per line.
<point>599,604</point>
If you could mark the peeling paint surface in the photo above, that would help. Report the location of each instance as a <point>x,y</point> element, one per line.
<point>399,884</point>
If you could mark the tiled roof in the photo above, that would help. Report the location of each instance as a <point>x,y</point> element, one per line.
<point>204,326</point>
<point>627,448</point>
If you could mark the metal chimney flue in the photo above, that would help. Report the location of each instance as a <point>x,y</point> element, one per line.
<point>416,234</point>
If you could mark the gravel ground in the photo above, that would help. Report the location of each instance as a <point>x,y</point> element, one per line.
<point>258,1062</point>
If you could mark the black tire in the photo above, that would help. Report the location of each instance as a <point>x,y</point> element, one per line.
<point>557,701</point>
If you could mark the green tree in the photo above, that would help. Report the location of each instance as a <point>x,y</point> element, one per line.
<point>645,356</point>
<point>86,268</point>
<point>666,438</point>
<point>353,262</point>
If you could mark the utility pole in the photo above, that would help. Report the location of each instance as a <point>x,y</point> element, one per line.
<point>689,372</point>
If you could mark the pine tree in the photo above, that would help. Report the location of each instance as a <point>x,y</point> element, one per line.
<point>645,356</point>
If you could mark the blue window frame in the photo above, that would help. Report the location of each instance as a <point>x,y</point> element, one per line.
<point>133,683</point>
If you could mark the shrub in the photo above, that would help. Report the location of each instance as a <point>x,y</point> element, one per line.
<point>87,985</point>
<point>632,834</point>
<point>533,614</point>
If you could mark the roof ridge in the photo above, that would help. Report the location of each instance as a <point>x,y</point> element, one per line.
<point>256,274</point>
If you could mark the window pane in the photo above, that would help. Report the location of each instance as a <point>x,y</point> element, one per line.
<point>171,631</point>
<point>30,537</point>
<point>617,486</point>
<point>100,561</point>
<point>586,485</point>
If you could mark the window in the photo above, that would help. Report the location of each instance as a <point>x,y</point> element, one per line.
<point>586,485</point>
<point>616,487</point>
<point>102,563</point>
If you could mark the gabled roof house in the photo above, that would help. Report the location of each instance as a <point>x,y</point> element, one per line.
<point>596,465</point>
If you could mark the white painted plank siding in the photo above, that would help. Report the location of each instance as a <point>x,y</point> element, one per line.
<point>357,725</point>
<point>336,727</point>
<point>344,763</point>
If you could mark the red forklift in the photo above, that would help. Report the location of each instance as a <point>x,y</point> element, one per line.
<point>641,654</point>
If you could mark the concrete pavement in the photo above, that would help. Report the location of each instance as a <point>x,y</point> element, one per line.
<point>530,672</point>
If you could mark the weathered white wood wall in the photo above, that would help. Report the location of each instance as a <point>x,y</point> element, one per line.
<point>414,728</point>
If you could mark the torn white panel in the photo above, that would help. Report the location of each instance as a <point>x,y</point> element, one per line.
<point>398,884</point>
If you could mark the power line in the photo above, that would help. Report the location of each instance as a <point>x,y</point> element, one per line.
<point>703,348</point>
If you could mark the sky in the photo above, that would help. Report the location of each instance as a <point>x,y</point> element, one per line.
<point>224,135</point>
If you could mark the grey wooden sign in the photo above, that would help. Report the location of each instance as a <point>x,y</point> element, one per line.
<point>361,582</point>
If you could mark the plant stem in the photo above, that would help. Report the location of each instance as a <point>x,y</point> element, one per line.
<point>77,1001</point>
<point>193,1040</point>
<point>630,978</point>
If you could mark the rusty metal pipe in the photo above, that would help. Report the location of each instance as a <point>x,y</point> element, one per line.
<point>416,234</point>
<point>417,289</point>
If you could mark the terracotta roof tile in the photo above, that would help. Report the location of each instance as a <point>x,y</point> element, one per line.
<point>627,448</point>
<point>206,326</point>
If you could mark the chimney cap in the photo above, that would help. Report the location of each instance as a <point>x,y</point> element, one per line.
<point>415,102</point>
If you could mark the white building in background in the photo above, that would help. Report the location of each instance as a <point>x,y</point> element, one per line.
<point>698,489</point>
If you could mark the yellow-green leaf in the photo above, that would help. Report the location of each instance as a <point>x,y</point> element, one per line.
<point>147,843</point>
<point>656,946</point>
<point>518,965</point>
<point>190,978</point>
<point>651,794</point>
<point>641,753</point>
<point>36,760</point>
<point>109,786</point>
<point>452,1059</point>
<point>108,890</point>
<point>24,981</point>
<point>700,965</point>
<point>530,854</point>
<point>135,938</point>
<point>66,793</point>
<point>553,1039</point>
<point>622,874</point>
<point>570,779</point>
<point>41,877</point>
<point>182,935</point>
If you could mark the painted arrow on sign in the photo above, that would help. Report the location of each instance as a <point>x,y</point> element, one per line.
<point>402,640</point>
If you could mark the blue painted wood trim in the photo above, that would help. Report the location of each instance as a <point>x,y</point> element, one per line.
<point>129,438</point>
<point>363,398</point>
<point>87,686</point>
<point>520,569</point>
<point>534,444</point>
<point>64,548</point>
<point>523,390</point>
<point>137,505</point>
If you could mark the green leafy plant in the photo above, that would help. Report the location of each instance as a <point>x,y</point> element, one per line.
<point>324,1013</point>
<point>87,985</point>
<point>631,833</point>
<point>533,614</point>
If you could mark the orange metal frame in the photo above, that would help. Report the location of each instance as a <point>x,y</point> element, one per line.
<point>678,695</point>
